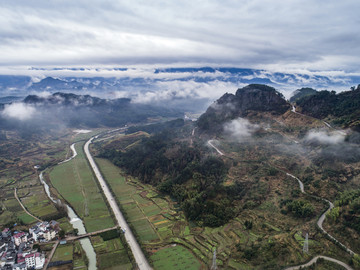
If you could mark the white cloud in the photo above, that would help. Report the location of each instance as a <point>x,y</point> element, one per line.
<point>185,89</point>
<point>325,137</point>
<point>19,111</point>
<point>240,128</point>
<point>292,34</point>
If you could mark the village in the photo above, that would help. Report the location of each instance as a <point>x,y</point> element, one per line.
<point>17,248</point>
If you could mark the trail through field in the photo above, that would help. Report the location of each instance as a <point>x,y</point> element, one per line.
<point>24,208</point>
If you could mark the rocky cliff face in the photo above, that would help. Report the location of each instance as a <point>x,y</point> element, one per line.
<point>254,97</point>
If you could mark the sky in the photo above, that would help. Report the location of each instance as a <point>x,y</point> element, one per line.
<point>275,35</point>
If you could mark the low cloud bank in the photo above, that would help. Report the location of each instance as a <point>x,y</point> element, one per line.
<point>19,111</point>
<point>240,129</point>
<point>325,137</point>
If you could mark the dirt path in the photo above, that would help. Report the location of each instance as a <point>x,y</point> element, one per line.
<point>51,255</point>
<point>210,142</point>
<point>23,207</point>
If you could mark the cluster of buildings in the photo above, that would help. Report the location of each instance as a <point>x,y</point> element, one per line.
<point>16,248</point>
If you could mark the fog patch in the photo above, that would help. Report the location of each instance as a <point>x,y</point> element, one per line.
<point>19,111</point>
<point>240,129</point>
<point>325,137</point>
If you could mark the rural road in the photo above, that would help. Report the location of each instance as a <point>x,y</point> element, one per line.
<point>331,205</point>
<point>314,260</point>
<point>139,256</point>
<point>51,255</point>
<point>210,142</point>
<point>320,224</point>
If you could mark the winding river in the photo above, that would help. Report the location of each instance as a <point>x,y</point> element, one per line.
<point>75,221</point>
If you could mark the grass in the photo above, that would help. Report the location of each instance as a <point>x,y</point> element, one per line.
<point>176,258</point>
<point>63,253</point>
<point>75,182</point>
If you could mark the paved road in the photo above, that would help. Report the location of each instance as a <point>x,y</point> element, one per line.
<point>331,205</point>
<point>301,185</point>
<point>139,256</point>
<point>210,142</point>
<point>23,207</point>
<point>320,224</point>
<point>314,260</point>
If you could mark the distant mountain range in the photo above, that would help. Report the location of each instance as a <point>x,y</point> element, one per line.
<point>131,82</point>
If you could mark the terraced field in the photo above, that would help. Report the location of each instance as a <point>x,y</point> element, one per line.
<point>36,201</point>
<point>158,224</point>
<point>141,212</point>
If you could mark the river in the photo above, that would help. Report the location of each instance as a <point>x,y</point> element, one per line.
<point>75,221</point>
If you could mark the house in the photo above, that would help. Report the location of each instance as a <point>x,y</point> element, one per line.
<point>37,234</point>
<point>20,266</point>
<point>49,235</point>
<point>39,260</point>
<point>54,225</point>
<point>19,238</point>
<point>30,260</point>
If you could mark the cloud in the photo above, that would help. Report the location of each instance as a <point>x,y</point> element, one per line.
<point>325,137</point>
<point>240,129</point>
<point>292,34</point>
<point>19,111</point>
<point>184,89</point>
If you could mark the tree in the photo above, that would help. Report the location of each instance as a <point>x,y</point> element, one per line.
<point>61,234</point>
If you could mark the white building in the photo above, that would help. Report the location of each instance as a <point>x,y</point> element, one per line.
<point>35,260</point>
<point>39,260</point>
<point>19,238</point>
<point>30,260</point>
<point>49,235</point>
<point>20,266</point>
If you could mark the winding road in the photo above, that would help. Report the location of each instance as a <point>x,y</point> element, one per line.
<point>319,222</point>
<point>139,256</point>
<point>314,260</point>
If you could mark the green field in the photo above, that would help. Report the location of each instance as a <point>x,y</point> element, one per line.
<point>154,221</point>
<point>175,258</point>
<point>111,254</point>
<point>132,203</point>
<point>75,182</point>
<point>36,201</point>
<point>63,253</point>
